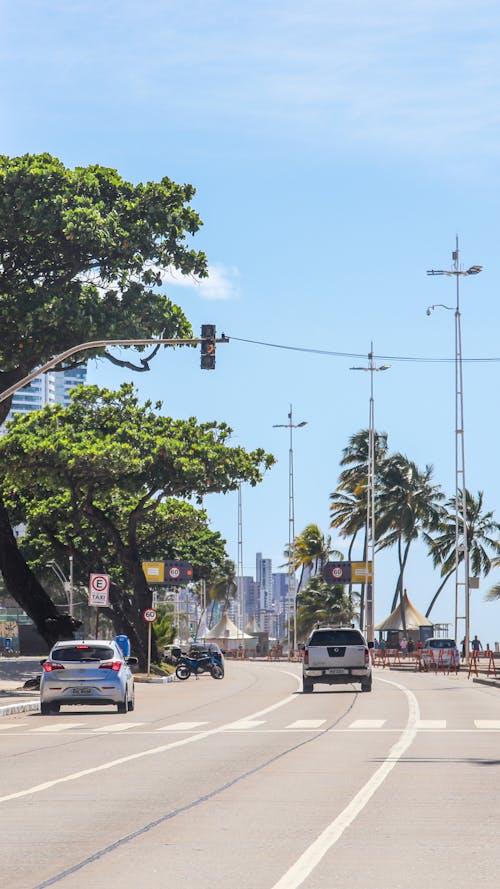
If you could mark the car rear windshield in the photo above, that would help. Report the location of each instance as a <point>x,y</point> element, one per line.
<point>336,637</point>
<point>83,653</point>
<point>441,643</point>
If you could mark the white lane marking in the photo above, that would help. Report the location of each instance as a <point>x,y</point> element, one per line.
<point>303,867</point>
<point>243,724</point>
<point>307,723</point>
<point>154,751</point>
<point>13,725</point>
<point>181,727</point>
<point>367,723</point>
<point>431,723</point>
<point>58,727</point>
<point>487,723</point>
<point>117,727</point>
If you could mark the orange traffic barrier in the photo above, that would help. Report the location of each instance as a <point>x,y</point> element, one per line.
<point>473,664</point>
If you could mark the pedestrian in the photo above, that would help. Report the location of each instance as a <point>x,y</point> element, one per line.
<point>411,646</point>
<point>383,646</point>
<point>476,645</point>
<point>463,647</point>
<point>403,645</point>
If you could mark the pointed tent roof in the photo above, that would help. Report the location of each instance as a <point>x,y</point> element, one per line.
<point>252,626</point>
<point>226,629</point>
<point>413,619</point>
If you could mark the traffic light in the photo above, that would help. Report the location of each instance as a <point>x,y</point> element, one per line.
<point>208,346</point>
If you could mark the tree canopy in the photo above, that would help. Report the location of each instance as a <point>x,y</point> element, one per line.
<point>82,253</point>
<point>102,474</point>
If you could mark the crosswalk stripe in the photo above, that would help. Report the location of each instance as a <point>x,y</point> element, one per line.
<point>367,723</point>
<point>244,724</point>
<point>487,723</point>
<point>117,727</point>
<point>307,723</point>
<point>430,723</point>
<point>181,727</point>
<point>13,725</point>
<point>58,727</point>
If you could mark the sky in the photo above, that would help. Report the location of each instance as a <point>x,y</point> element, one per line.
<point>337,149</point>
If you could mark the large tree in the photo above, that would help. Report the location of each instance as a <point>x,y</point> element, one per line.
<point>106,465</point>
<point>82,255</point>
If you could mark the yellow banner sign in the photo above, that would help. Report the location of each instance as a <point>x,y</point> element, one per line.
<point>361,572</point>
<point>154,571</point>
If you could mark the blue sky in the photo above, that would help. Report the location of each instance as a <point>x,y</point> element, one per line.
<point>336,151</point>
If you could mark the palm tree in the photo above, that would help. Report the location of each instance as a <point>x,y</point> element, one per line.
<point>324,603</point>
<point>222,587</point>
<point>407,503</point>
<point>349,511</point>
<point>311,550</point>
<point>483,534</point>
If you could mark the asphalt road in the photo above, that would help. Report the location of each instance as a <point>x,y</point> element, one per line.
<point>248,783</point>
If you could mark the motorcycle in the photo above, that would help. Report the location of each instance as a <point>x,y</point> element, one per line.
<point>195,666</point>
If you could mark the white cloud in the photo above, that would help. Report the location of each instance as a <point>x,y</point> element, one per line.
<point>221,284</point>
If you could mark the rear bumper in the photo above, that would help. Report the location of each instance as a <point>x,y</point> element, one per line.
<point>349,674</point>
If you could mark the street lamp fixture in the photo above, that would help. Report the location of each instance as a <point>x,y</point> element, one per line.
<point>292,595</point>
<point>369,605</point>
<point>462,591</point>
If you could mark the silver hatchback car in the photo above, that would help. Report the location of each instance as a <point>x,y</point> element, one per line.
<point>87,672</point>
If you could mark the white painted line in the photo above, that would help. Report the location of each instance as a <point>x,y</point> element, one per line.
<point>181,727</point>
<point>487,723</point>
<point>307,723</point>
<point>243,724</point>
<point>117,727</point>
<point>13,725</point>
<point>367,723</point>
<point>154,751</point>
<point>57,727</point>
<point>303,867</point>
<point>431,723</point>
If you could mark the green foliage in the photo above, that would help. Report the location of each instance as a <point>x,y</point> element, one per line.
<point>324,603</point>
<point>82,254</point>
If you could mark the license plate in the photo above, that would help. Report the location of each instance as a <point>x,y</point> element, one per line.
<point>81,691</point>
<point>335,670</point>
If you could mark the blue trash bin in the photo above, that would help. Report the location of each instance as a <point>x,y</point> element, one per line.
<point>124,643</point>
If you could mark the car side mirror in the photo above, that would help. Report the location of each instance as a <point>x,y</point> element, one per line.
<point>301,646</point>
<point>43,661</point>
<point>132,661</point>
<point>370,645</point>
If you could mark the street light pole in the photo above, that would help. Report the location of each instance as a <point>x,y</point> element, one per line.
<point>462,590</point>
<point>291,527</point>
<point>370,502</point>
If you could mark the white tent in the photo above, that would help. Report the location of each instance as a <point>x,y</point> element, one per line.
<point>228,636</point>
<point>413,619</point>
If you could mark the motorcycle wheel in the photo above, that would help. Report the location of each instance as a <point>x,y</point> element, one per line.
<point>217,672</point>
<point>183,672</point>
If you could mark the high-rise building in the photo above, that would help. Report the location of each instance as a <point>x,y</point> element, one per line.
<point>49,388</point>
<point>264,577</point>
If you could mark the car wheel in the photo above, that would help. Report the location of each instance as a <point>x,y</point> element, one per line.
<point>122,707</point>
<point>307,687</point>
<point>131,703</point>
<point>45,709</point>
<point>55,708</point>
<point>366,686</point>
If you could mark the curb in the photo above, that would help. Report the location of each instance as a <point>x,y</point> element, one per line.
<point>25,707</point>
<point>494,683</point>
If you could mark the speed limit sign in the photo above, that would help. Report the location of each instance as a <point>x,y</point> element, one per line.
<point>150,615</point>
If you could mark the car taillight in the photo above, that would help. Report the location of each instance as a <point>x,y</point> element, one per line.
<point>49,667</point>
<point>367,656</point>
<point>111,665</point>
<point>306,655</point>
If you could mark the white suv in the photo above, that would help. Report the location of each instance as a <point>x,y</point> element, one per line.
<point>336,656</point>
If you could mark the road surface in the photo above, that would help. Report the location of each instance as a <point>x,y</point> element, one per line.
<point>246,783</point>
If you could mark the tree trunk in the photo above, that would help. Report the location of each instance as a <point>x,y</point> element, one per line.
<point>23,586</point>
